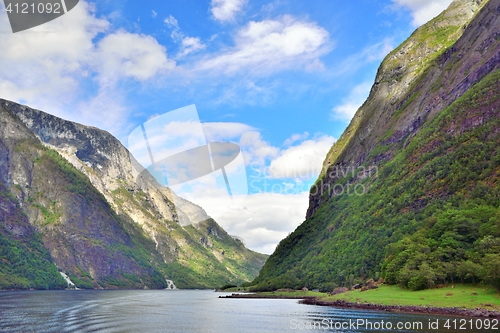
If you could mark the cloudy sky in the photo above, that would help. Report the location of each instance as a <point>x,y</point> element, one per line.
<point>281,78</point>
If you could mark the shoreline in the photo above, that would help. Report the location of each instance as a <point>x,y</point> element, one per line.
<point>313,300</point>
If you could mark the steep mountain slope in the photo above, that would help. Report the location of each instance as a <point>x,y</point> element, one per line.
<point>411,189</point>
<point>25,262</point>
<point>103,222</point>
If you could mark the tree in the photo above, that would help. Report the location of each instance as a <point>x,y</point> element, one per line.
<point>490,272</point>
<point>468,271</point>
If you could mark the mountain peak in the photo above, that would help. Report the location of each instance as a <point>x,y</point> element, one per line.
<point>416,61</point>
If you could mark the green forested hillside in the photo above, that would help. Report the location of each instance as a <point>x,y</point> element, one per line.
<point>427,209</point>
<point>436,203</point>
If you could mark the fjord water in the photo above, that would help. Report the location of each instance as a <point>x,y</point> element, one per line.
<point>179,311</point>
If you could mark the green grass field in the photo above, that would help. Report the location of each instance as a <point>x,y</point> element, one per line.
<point>461,296</point>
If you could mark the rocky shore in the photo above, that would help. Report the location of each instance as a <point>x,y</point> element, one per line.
<point>406,309</point>
<point>378,307</point>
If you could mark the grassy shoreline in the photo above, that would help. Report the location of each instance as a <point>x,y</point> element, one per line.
<point>462,299</point>
<point>461,296</point>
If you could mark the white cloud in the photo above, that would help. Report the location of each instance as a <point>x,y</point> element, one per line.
<point>154,14</point>
<point>46,66</point>
<point>303,161</point>
<point>271,45</point>
<point>262,219</point>
<point>352,102</point>
<point>172,22</point>
<point>226,10</point>
<point>275,207</point>
<point>255,149</point>
<point>181,129</point>
<point>189,45</point>
<point>167,134</point>
<point>423,10</point>
<point>107,102</point>
<point>296,137</point>
<point>219,131</point>
<point>123,54</point>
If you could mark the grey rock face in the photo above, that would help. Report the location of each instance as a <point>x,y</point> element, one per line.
<point>118,205</point>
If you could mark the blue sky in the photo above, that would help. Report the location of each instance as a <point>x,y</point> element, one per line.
<point>280,78</point>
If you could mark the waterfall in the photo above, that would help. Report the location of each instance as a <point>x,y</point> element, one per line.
<point>170,284</point>
<point>68,280</point>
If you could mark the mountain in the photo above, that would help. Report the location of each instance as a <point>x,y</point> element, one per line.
<point>73,199</point>
<point>411,190</point>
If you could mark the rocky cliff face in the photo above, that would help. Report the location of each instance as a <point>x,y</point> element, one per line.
<point>414,82</point>
<point>103,221</point>
<point>422,163</point>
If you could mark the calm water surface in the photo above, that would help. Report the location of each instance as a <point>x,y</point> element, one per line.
<point>190,311</point>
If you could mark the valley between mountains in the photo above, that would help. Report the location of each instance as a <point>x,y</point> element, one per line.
<point>422,154</point>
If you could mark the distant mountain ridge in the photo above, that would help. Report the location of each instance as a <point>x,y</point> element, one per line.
<point>424,152</point>
<point>105,223</point>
